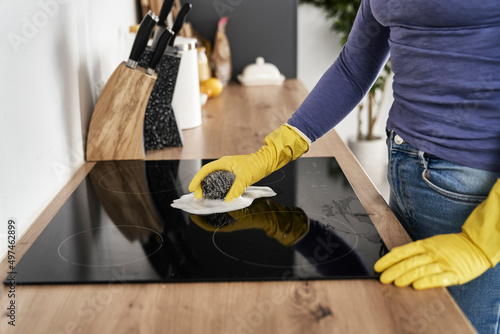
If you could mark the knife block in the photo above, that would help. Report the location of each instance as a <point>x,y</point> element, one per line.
<point>116,127</point>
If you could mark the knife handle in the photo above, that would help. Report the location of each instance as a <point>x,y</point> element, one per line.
<point>141,39</point>
<point>179,21</point>
<point>165,37</point>
<point>166,8</point>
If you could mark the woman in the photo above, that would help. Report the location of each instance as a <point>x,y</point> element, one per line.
<point>443,137</point>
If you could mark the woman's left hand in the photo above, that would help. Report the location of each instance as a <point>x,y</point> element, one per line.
<point>441,260</point>
<point>448,259</point>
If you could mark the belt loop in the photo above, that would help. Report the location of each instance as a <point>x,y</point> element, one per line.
<point>422,159</point>
<point>389,143</point>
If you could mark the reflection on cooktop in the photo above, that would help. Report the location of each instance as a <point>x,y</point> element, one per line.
<point>118,226</point>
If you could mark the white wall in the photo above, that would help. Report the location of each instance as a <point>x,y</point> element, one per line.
<point>54,55</point>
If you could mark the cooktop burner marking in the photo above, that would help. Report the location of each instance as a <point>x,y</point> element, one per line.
<point>350,231</point>
<point>275,177</point>
<point>113,231</point>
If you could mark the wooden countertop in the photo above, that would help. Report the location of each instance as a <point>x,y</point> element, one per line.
<point>236,123</point>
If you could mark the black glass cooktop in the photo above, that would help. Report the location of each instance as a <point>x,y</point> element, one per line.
<point>118,226</point>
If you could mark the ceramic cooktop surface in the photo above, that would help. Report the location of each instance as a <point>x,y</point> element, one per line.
<point>118,226</point>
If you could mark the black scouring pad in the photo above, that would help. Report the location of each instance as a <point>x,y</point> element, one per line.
<point>216,185</point>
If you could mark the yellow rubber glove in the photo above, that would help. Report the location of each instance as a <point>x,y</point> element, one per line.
<point>287,225</point>
<point>281,146</point>
<point>448,259</point>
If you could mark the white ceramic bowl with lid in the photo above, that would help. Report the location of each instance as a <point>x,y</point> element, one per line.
<point>261,74</point>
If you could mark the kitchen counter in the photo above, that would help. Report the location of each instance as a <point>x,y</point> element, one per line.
<point>236,123</point>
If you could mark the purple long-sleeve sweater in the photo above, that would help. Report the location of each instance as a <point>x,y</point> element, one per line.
<point>446,61</point>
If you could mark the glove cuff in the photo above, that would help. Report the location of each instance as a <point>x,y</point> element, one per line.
<point>300,133</point>
<point>482,227</point>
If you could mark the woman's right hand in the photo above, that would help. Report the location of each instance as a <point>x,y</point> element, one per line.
<point>280,147</point>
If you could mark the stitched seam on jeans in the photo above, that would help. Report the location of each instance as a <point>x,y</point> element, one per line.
<point>407,215</point>
<point>450,194</point>
<point>409,152</point>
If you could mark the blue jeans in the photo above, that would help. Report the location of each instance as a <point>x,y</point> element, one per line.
<point>431,196</point>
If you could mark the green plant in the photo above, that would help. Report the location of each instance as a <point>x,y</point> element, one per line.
<point>342,13</point>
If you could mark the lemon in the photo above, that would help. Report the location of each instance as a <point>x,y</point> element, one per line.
<point>212,87</point>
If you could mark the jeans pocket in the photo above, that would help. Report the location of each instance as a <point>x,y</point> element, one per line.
<point>458,183</point>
